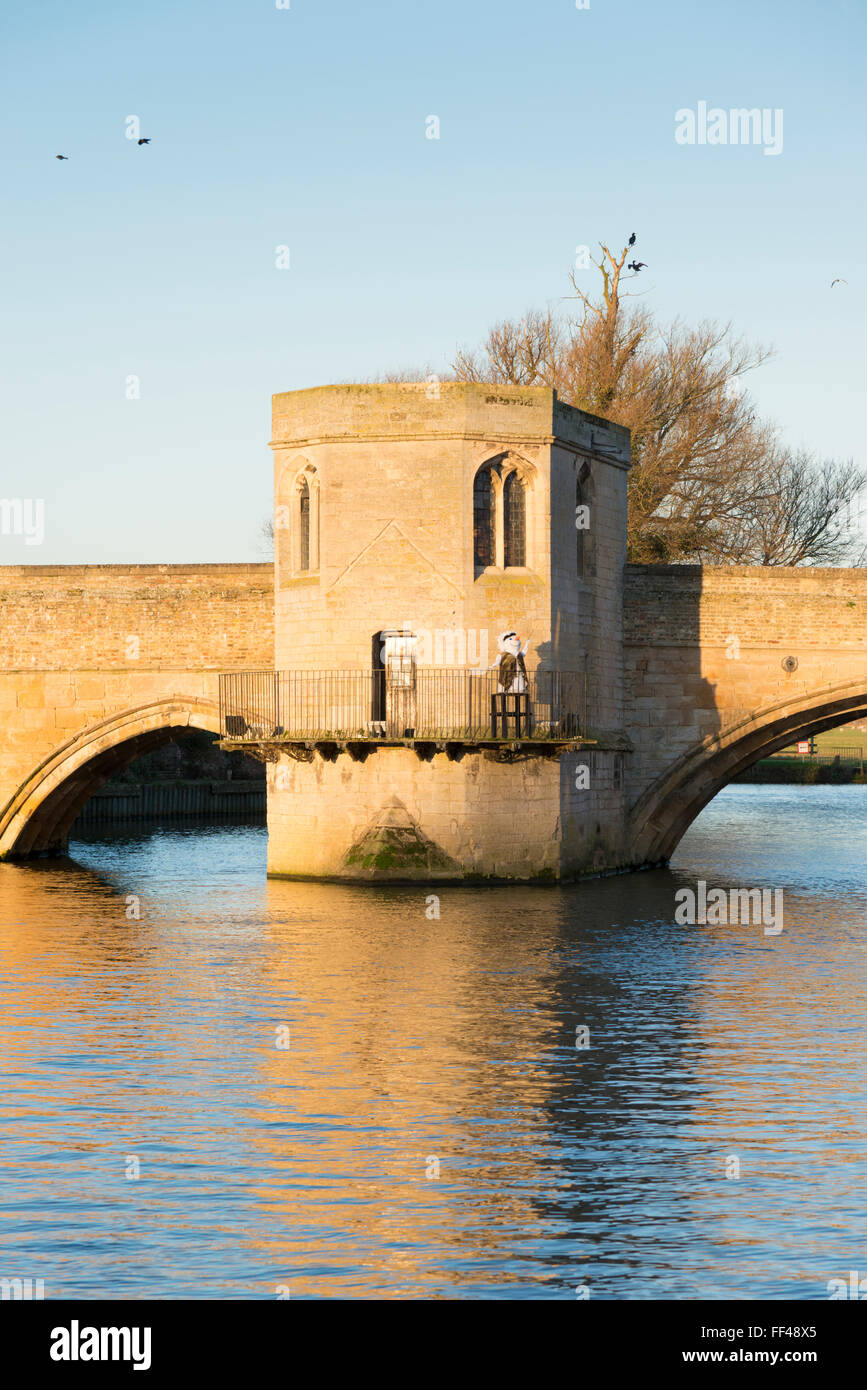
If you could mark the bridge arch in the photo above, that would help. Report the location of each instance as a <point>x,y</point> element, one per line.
<point>667,808</point>
<point>38,818</point>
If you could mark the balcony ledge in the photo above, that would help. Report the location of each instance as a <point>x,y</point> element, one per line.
<point>359,748</point>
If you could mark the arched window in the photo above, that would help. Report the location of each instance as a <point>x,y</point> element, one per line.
<point>303,524</point>
<point>502,496</point>
<point>514,522</point>
<point>296,522</point>
<point>483,519</point>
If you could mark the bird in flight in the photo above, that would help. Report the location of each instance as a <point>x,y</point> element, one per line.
<point>61,156</point>
<point>838,281</point>
<point>144,142</point>
<point>637,265</point>
<point>632,240</point>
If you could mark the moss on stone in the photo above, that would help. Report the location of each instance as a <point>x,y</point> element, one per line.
<point>396,850</point>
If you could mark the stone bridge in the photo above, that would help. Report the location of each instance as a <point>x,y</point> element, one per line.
<point>723,666</point>
<point>99,664</point>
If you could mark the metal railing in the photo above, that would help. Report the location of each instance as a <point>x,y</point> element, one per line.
<point>831,753</point>
<point>423,704</point>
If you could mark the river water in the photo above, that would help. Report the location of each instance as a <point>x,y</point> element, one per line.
<point>251,1089</point>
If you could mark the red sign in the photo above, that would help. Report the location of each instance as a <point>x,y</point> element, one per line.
<point>803,746</point>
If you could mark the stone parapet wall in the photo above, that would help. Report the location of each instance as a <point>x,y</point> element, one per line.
<point>172,617</point>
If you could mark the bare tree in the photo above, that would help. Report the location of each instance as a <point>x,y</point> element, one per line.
<point>529,351</point>
<point>266,539</point>
<point>805,515</point>
<point>705,467</point>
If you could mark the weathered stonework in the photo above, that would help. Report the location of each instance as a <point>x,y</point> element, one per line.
<point>394,474</point>
<point>100,663</point>
<point>392,469</point>
<point>725,665</point>
<point>693,674</point>
<point>398,816</point>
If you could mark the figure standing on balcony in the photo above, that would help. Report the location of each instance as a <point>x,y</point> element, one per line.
<point>512,672</point>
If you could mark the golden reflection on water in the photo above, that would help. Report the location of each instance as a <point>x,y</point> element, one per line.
<point>431,1129</point>
<point>416,1022</point>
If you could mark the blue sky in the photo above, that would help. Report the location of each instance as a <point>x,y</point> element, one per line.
<point>306,127</point>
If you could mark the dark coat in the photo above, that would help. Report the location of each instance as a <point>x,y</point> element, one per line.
<point>509,667</point>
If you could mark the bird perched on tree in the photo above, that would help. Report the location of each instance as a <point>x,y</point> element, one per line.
<point>632,240</point>
<point>144,142</point>
<point>637,265</point>
<point>61,156</point>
